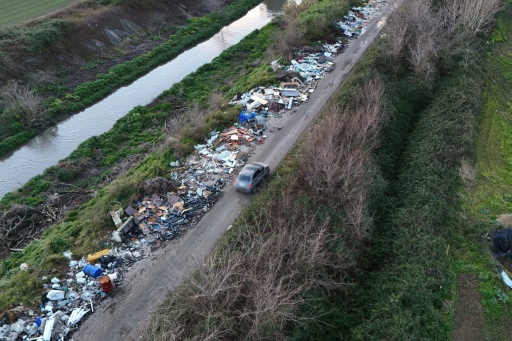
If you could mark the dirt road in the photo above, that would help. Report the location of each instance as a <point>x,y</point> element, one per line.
<point>124,316</point>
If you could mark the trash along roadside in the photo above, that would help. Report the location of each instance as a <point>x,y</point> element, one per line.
<point>170,206</point>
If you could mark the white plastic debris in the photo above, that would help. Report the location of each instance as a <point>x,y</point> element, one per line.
<point>48,329</point>
<point>19,326</point>
<point>72,295</point>
<point>31,328</point>
<point>24,267</point>
<point>76,316</point>
<point>55,295</point>
<point>506,279</point>
<point>55,280</point>
<point>86,295</point>
<point>116,236</point>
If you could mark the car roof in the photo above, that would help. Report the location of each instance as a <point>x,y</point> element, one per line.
<point>249,169</point>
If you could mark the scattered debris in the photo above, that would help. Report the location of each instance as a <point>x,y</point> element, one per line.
<point>358,17</point>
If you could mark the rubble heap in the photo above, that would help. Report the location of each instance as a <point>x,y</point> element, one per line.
<point>358,17</point>
<point>67,300</point>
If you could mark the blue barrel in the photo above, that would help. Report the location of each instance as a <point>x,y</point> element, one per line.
<point>92,271</point>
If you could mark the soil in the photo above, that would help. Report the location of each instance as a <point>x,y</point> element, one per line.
<point>469,317</point>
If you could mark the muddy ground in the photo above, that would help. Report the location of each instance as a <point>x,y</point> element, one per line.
<point>469,317</point>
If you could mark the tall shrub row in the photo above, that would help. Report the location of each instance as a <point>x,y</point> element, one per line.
<point>411,293</point>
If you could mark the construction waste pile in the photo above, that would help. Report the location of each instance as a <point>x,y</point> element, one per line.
<point>68,299</point>
<point>194,186</point>
<point>170,206</point>
<point>299,81</point>
<point>358,17</point>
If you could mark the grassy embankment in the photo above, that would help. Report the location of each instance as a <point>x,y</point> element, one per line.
<point>40,37</point>
<point>393,280</point>
<point>488,192</point>
<point>14,12</point>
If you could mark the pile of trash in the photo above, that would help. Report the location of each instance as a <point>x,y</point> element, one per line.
<point>67,300</point>
<point>358,17</point>
<point>298,81</point>
<point>197,183</point>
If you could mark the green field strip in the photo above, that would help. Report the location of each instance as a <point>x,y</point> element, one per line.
<point>40,8</point>
<point>20,12</point>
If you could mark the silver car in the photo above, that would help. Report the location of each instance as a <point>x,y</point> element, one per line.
<point>251,176</point>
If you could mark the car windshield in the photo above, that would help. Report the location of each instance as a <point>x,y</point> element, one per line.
<point>244,177</point>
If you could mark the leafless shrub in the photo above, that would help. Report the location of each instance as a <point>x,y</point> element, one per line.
<point>124,165</point>
<point>472,15</point>
<point>417,31</point>
<point>422,34</point>
<point>62,198</point>
<point>19,224</point>
<point>71,58</point>
<point>76,165</point>
<point>396,35</point>
<point>216,101</point>
<point>336,161</point>
<point>21,102</point>
<point>195,128</point>
<point>254,288</point>
<point>285,41</point>
<point>337,152</point>
<point>42,78</point>
<point>179,149</point>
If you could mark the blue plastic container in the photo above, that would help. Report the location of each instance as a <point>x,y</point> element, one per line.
<point>92,271</point>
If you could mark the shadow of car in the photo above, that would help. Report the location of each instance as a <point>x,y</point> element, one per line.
<point>251,176</point>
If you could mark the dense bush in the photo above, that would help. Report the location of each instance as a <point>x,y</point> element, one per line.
<point>411,290</point>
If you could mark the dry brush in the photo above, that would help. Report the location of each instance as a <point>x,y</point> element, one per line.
<point>253,288</point>
<point>337,160</point>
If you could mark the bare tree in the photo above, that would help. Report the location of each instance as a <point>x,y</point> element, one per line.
<point>21,102</point>
<point>472,15</point>
<point>337,155</point>
<point>284,42</point>
<point>396,35</point>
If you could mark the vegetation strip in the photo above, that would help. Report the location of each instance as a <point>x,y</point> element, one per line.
<point>488,185</point>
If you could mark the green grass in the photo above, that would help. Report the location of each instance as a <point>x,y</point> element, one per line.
<point>491,192</point>
<point>16,11</point>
